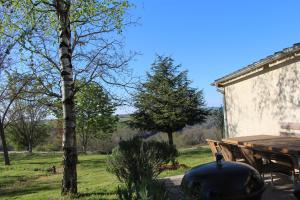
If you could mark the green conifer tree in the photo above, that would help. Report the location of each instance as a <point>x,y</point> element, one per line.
<point>166,102</point>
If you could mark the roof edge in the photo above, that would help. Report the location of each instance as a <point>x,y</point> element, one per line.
<point>256,65</point>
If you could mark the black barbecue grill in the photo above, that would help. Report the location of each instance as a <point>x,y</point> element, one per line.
<point>223,180</point>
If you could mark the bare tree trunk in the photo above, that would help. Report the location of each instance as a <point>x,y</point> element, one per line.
<point>29,147</point>
<point>69,182</point>
<point>170,137</point>
<point>84,142</point>
<point>4,146</point>
<point>84,148</point>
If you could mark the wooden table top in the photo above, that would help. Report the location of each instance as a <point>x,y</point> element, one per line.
<point>279,144</point>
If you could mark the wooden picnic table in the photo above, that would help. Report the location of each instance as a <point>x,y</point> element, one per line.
<point>276,144</point>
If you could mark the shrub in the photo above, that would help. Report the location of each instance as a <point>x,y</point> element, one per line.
<point>137,163</point>
<point>149,190</point>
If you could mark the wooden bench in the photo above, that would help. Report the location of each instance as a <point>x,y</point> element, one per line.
<point>213,145</point>
<point>231,152</point>
<point>282,153</point>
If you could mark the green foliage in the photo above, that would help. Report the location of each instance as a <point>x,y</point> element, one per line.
<point>49,32</point>
<point>28,127</point>
<point>95,41</point>
<point>48,147</point>
<point>42,13</point>
<point>148,190</point>
<point>20,138</point>
<point>53,142</point>
<point>94,111</point>
<point>28,179</point>
<point>136,163</point>
<point>166,102</point>
<point>126,193</point>
<point>136,160</point>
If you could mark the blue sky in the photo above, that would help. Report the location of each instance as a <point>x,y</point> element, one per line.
<point>211,38</point>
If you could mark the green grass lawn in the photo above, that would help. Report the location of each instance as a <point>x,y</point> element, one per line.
<point>27,177</point>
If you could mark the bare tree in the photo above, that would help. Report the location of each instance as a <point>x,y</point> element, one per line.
<point>3,106</point>
<point>8,95</point>
<point>10,75</point>
<point>3,55</point>
<point>28,127</point>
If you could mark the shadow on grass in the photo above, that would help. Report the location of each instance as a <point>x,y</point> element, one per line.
<point>28,188</point>
<point>92,163</point>
<point>28,156</point>
<point>44,163</point>
<point>100,193</point>
<point>34,159</point>
<point>9,180</point>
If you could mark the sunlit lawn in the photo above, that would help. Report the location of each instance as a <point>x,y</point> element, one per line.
<point>28,178</point>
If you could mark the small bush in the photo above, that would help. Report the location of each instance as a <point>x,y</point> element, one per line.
<point>137,163</point>
<point>148,190</point>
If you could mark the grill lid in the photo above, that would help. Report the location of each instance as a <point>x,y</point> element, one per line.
<point>222,180</point>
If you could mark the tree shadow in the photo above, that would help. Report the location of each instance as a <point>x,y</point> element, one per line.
<point>9,180</point>
<point>31,187</point>
<point>92,163</point>
<point>260,102</point>
<point>89,194</point>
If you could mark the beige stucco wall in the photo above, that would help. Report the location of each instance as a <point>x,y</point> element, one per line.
<point>259,104</point>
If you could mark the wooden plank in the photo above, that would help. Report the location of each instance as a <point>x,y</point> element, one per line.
<point>287,145</point>
<point>241,140</point>
<point>283,145</point>
<point>213,146</point>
